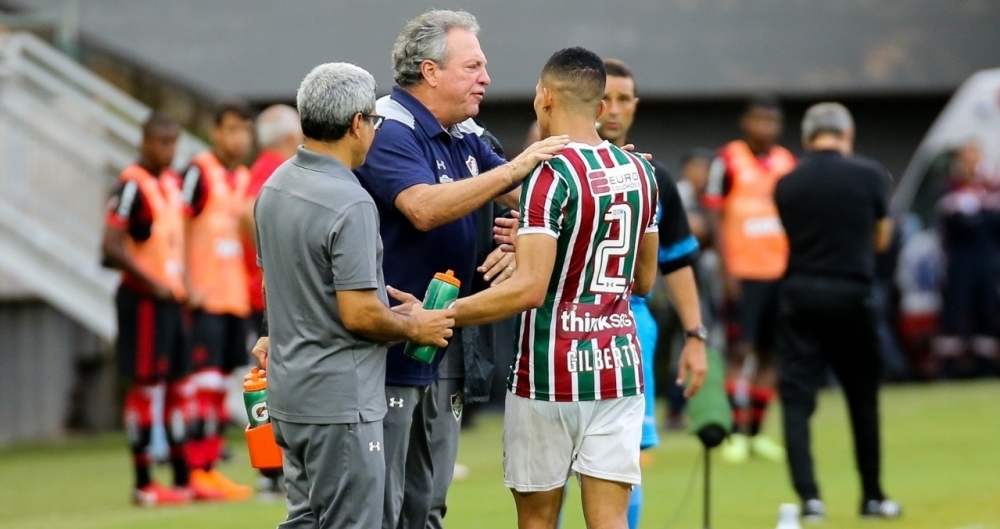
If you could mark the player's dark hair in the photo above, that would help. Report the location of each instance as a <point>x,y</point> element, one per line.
<point>698,153</point>
<point>157,120</point>
<point>237,108</point>
<point>582,69</point>
<point>762,102</point>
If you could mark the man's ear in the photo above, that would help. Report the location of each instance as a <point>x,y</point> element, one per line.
<point>547,98</point>
<point>601,109</point>
<point>356,125</point>
<point>429,70</point>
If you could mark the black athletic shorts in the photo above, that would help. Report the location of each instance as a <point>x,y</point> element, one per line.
<point>220,341</point>
<point>757,313</point>
<point>153,341</point>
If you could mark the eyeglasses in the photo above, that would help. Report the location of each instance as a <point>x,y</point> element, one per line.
<point>376,120</point>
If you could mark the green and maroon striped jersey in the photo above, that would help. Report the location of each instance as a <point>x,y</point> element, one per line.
<point>598,202</point>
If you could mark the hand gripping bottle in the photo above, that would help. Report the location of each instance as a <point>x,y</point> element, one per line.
<point>264,450</point>
<point>441,294</point>
<point>255,397</point>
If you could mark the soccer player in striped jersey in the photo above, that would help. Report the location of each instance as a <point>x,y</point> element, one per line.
<point>587,241</point>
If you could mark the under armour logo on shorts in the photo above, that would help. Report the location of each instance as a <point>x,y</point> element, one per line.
<point>374,446</point>
<point>395,403</point>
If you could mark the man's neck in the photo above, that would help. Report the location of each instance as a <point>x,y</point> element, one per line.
<point>226,162</point>
<point>580,129</point>
<point>285,150</point>
<point>421,92</point>
<point>150,167</point>
<point>828,142</point>
<point>338,150</point>
<point>759,148</point>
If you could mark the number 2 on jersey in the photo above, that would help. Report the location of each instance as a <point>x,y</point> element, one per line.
<point>609,257</point>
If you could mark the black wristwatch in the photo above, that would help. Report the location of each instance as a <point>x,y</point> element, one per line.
<point>699,333</point>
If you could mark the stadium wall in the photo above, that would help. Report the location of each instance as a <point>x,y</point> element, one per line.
<point>56,374</point>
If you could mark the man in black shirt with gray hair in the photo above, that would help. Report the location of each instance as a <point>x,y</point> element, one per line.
<point>833,208</point>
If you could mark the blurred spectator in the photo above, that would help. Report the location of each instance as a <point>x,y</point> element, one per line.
<point>215,187</point>
<point>279,135</point>
<point>694,179</point>
<point>918,278</point>
<point>886,297</point>
<point>968,231</point>
<point>695,167</point>
<point>754,252</point>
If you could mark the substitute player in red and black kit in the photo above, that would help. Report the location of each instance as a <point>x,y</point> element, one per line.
<point>754,251</point>
<point>215,187</point>
<point>144,238</point>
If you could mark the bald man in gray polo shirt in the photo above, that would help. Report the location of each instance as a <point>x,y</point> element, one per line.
<point>319,246</point>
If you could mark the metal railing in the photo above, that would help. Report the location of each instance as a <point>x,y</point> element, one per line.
<point>65,134</point>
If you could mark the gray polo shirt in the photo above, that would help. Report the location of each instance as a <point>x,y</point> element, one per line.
<point>317,233</point>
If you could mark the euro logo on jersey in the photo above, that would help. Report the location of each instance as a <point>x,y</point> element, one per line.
<point>620,179</point>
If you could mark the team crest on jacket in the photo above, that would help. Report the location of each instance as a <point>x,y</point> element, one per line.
<point>473,165</point>
<point>457,400</point>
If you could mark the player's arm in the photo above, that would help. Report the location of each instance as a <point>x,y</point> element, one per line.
<point>525,290</point>
<point>883,227</point>
<point>883,234</point>
<point>248,226</point>
<point>645,267</point>
<point>195,196</point>
<point>714,199</point>
<point>428,206</point>
<point>124,208</point>
<point>684,294</point>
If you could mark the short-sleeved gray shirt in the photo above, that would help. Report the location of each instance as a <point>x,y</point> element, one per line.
<point>317,233</point>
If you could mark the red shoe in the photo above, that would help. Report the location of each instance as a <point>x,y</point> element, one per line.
<point>202,488</point>
<point>155,494</point>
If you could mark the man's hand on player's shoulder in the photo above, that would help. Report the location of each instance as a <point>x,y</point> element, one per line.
<point>536,153</point>
<point>630,147</point>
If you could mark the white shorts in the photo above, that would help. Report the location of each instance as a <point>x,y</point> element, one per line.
<point>544,442</point>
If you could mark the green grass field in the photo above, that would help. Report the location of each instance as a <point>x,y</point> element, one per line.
<point>941,460</point>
